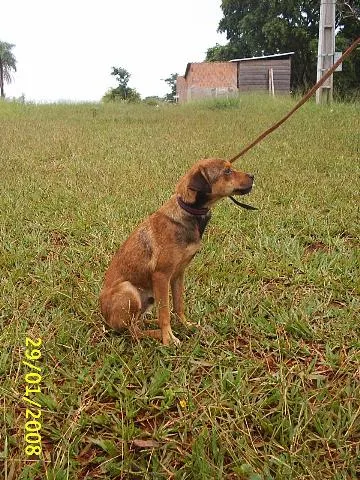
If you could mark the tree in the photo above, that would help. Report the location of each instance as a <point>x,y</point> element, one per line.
<point>171,81</point>
<point>7,63</point>
<point>122,91</point>
<point>347,82</point>
<point>123,77</point>
<point>265,27</point>
<point>221,53</point>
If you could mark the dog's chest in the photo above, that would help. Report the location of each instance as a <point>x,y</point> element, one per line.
<point>190,237</point>
<point>192,231</point>
<point>201,222</point>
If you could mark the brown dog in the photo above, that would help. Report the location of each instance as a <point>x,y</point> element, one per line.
<point>154,257</point>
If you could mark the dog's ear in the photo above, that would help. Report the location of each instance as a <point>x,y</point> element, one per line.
<point>199,183</point>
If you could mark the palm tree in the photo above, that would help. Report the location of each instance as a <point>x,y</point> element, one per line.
<point>7,63</point>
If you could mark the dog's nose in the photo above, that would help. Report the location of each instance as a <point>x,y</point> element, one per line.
<point>251,176</point>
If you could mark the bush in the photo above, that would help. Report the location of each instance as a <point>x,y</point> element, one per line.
<point>130,95</point>
<point>153,101</point>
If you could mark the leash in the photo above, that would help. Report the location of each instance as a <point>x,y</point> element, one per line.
<point>242,205</point>
<point>304,99</point>
<point>301,102</point>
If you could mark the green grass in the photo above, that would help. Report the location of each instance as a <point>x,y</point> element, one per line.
<point>268,386</point>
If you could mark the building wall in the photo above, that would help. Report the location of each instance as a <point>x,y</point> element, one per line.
<point>254,74</point>
<point>181,89</point>
<point>204,80</point>
<point>212,75</point>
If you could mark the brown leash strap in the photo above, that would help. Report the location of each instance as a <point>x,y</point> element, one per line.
<point>301,102</point>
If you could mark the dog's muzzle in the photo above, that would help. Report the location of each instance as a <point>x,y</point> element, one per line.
<point>245,190</point>
<point>242,191</point>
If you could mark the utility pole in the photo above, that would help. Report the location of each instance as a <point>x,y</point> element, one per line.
<point>326,49</point>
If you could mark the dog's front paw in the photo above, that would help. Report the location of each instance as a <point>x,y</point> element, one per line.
<point>175,340</point>
<point>170,338</point>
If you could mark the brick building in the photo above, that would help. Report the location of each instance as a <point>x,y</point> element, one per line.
<point>207,79</point>
<point>223,79</point>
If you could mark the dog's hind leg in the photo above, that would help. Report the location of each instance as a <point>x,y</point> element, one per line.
<point>121,308</point>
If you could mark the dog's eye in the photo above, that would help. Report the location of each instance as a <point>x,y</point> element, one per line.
<point>228,171</point>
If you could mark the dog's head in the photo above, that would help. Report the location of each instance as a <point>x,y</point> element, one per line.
<point>210,180</point>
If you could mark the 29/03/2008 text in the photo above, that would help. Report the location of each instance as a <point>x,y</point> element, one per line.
<point>32,380</point>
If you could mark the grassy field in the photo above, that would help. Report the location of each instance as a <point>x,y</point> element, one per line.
<point>268,385</point>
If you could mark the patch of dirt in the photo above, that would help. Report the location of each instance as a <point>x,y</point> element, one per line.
<point>58,239</point>
<point>316,247</point>
<point>272,284</point>
<point>148,423</point>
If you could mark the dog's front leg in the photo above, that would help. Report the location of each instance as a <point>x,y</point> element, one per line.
<point>161,292</point>
<point>177,290</point>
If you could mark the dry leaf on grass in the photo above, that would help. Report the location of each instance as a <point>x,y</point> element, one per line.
<point>145,443</point>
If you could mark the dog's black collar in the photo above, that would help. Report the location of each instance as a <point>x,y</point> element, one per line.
<point>189,209</point>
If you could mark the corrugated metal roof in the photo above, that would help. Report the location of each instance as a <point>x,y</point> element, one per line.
<point>275,55</point>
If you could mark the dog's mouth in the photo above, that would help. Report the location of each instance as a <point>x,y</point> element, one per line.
<point>242,191</point>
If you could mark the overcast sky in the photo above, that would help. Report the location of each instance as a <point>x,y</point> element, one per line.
<point>65,49</point>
